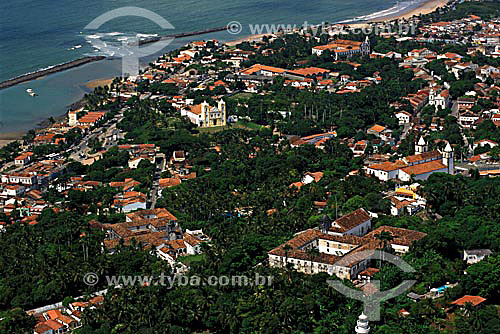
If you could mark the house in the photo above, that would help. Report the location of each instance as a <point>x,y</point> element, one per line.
<point>405,206</point>
<point>421,53</point>
<point>12,190</point>
<point>309,72</point>
<point>130,201</point>
<point>418,100</point>
<point>473,300</point>
<point>127,185</point>
<point>376,130</point>
<point>258,69</point>
<point>23,159</point>
<point>204,115</point>
<point>167,183</point>
<point>310,177</point>
<point>317,140</point>
<point>134,162</point>
<point>466,102</point>
<point>193,240</point>
<point>415,296</point>
<point>356,223</point>
<point>152,227</point>
<point>467,119</point>
<point>403,117</point>
<point>475,255</point>
<point>484,142</point>
<point>89,119</point>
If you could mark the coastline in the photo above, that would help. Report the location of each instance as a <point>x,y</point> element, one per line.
<point>98,82</point>
<point>424,7</point>
<point>9,137</point>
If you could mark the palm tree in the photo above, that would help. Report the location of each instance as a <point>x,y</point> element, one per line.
<point>287,248</point>
<point>384,237</point>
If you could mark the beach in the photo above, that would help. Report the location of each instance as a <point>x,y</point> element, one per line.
<point>425,8</point>
<point>98,82</point>
<point>250,38</point>
<point>9,137</point>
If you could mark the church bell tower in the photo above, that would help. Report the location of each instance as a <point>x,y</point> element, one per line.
<point>421,146</point>
<point>448,158</point>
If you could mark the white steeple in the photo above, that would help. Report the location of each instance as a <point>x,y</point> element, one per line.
<point>362,326</point>
<point>421,146</point>
<point>448,158</point>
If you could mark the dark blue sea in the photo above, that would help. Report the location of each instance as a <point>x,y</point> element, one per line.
<point>38,34</point>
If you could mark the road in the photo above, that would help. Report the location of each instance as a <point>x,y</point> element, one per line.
<point>108,137</point>
<point>153,194</point>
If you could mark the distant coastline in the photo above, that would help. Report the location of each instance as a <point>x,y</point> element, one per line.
<point>423,7</point>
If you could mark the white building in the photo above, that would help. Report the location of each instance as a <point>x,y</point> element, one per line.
<point>439,100</point>
<point>475,255</point>
<point>419,166</point>
<point>313,251</point>
<point>204,115</point>
<point>403,117</point>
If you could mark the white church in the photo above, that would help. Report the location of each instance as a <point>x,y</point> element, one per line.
<point>419,166</point>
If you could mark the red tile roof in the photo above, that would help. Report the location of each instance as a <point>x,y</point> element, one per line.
<point>474,300</point>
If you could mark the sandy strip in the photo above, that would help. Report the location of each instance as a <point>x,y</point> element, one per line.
<point>4,142</point>
<point>250,38</point>
<point>99,82</point>
<point>426,8</point>
<point>9,137</point>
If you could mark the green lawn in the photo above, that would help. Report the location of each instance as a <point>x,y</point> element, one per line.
<point>191,258</point>
<point>212,129</point>
<point>241,96</point>
<point>247,125</point>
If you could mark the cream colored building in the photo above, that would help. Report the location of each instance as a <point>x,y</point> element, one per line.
<point>205,115</point>
<point>342,255</point>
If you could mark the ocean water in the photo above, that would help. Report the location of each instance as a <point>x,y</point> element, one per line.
<point>43,33</point>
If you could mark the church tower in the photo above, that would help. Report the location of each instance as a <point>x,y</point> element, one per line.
<point>222,109</point>
<point>325,224</point>
<point>365,47</point>
<point>421,146</point>
<point>448,158</point>
<point>432,96</point>
<point>362,326</point>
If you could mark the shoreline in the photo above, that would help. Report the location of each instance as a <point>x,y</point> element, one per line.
<point>39,74</point>
<point>425,7</point>
<point>98,82</point>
